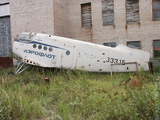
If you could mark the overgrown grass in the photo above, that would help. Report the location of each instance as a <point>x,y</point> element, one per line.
<point>78,95</point>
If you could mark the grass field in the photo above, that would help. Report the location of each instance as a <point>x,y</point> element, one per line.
<point>78,95</point>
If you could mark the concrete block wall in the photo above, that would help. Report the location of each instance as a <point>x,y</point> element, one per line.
<point>146,31</point>
<point>74,24</point>
<point>60,18</point>
<point>31,16</point>
<point>38,16</point>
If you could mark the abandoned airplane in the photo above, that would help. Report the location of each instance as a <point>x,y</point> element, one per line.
<point>59,52</point>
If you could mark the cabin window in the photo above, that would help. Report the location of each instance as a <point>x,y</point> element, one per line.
<point>50,49</point>
<point>67,52</point>
<point>107,12</point>
<point>40,46</point>
<point>110,44</point>
<point>156,48</point>
<point>86,15</point>
<point>45,48</point>
<point>134,44</point>
<point>132,11</point>
<point>34,45</point>
<point>156,10</point>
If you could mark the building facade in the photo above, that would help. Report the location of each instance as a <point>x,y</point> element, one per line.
<point>135,23</point>
<point>5,35</point>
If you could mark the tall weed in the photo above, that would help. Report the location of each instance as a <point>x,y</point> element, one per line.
<point>78,95</point>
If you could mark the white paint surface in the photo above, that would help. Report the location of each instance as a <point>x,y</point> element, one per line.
<point>73,54</point>
<point>4,10</point>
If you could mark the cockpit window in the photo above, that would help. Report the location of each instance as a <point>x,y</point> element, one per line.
<point>22,40</point>
<point>25,38</point>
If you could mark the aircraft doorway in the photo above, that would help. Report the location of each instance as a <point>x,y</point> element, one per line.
<point>69,55</point>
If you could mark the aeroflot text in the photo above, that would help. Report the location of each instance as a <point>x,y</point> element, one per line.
<point>39,53</point>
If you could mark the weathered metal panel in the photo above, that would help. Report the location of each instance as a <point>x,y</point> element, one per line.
<point>108,12</point>
<point>86,15</point>
<point>132,11</point>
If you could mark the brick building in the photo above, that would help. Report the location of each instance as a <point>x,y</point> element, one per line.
<point>135,23</point>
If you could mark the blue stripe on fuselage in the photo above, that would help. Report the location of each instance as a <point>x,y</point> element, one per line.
<point>34,42</point>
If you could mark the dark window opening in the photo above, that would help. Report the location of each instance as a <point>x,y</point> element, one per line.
<point>156,10</point>
<point>132,11</point>
<point>107,12</point>
<point>86,14</point>
<point>156,48</point>
<point>134,44</point>
<point>110,44</point>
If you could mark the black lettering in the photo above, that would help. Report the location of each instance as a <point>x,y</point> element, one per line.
<point>123,61</point>
<point>108,59</point>
<point>116,60</point>
<point>112,60</point>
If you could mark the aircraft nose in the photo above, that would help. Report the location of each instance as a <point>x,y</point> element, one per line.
<point>15,47</point>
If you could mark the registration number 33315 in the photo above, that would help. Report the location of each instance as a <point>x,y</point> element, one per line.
<point>114,60</point>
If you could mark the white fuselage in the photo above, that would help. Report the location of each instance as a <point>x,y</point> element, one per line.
<point>59,52</point>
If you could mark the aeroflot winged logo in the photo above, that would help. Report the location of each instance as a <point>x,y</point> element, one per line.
<point>39,54</point>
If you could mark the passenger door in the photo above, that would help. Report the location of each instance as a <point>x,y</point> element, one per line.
<point>69,57</point>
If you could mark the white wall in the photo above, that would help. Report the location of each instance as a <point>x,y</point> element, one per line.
<point>4,1</point>
<point>4,10</point>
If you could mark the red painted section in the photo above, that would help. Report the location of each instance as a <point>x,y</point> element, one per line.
<point>6,62</point>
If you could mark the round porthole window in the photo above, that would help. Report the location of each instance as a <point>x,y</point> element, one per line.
<point>67,52</point>
<point>34,45</point>
<point>40,46</point>
<point>50,49</point>
<point>45,48</point>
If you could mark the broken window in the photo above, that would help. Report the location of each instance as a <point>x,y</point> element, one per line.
<point>111,44</point>
<point>108,12</point>
<point>134,44</point>
<point>86,15</point>
<point>156,48</point>
<point>156,10</point>
<point>132,11</point>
